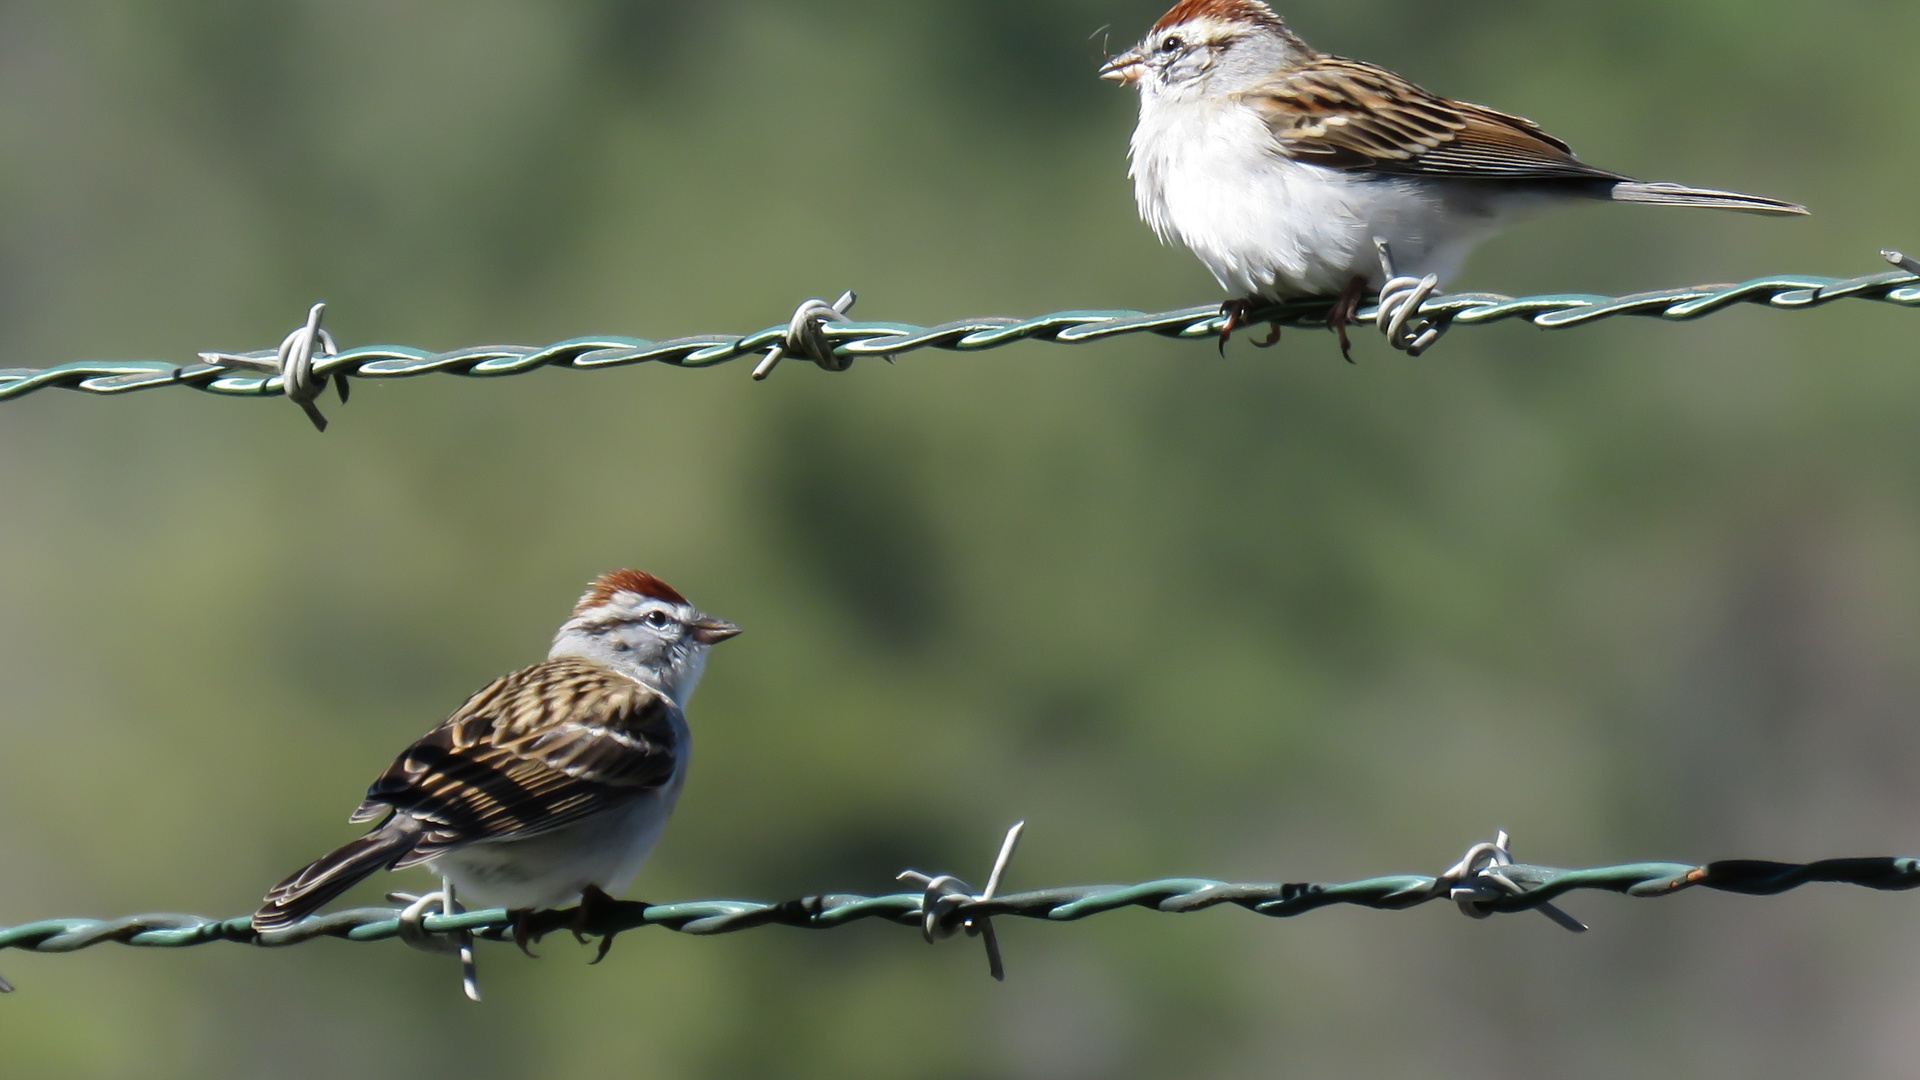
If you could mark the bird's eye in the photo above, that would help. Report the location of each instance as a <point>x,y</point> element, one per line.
<point>1172,44</point>
<point>656,619</point>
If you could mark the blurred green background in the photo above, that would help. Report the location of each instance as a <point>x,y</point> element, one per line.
<point>1636,591</point>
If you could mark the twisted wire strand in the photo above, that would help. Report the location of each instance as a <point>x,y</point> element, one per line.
<point>850,340</point>
<point>1539,885</point>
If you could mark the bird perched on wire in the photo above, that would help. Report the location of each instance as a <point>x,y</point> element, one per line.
<point>1279,165</point>
<point>551,785</point>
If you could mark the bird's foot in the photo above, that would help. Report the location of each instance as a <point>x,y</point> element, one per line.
<point>1341,315</point>
<point>1236,313</point>
<point>523,931</point>
<point>594,916</point>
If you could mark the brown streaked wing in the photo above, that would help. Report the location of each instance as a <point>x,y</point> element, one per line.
<point>1346,114</point>
<point>530,752</point>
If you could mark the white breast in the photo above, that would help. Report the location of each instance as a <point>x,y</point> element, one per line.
<point>1206,175</point>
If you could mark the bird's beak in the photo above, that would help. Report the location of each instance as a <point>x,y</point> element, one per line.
<point>710,631</point>
<point>1124,69</point>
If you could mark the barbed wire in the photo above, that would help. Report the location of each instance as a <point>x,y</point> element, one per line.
<point>823,334</point>
<point>1485,882</point>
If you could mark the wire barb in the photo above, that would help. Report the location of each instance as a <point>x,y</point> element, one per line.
<point>1905,262</point>
<point>947,903</point>
<point>414,934</point>
<point>1399,309</point>
<point>293,362</point>
<point>807,339</point>
<point>1478,877</point>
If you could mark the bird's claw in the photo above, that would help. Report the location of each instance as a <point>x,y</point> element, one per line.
<point>523,930</point>
<point>1231,312</point>
<point>593,917</point>
<point>1341,315</point>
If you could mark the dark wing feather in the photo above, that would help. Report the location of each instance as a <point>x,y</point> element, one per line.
<point>1345,114</point>
<point>533,751</point>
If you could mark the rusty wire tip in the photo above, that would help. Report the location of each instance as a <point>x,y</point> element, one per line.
<point>1905,262</point>
<point>806,338</point>
<point>946,900</point>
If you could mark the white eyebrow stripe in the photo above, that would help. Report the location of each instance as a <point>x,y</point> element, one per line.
<point>611,619</point>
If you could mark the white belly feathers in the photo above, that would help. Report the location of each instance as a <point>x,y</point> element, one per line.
<point>1207,175</point>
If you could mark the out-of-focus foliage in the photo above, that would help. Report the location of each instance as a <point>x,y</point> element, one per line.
<point>1634,591</point>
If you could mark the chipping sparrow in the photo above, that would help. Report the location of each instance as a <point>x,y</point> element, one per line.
<point>551,784</point>
<point>1279,165</point>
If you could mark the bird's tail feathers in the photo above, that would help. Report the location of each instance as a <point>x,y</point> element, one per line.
<point>1634,191</point>
<point>330,875</point>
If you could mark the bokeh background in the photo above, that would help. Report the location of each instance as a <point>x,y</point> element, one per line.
<point>1636,591</point>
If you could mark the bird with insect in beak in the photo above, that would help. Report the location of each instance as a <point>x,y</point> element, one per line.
<point>1279,166</point>
<point>551,785</point>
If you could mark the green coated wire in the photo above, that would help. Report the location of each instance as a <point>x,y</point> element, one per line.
<point>848,340</point>
<point>1537,886</point>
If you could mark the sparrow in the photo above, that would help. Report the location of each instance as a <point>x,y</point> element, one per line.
<point>1279,165</point>
<point>551,785</point>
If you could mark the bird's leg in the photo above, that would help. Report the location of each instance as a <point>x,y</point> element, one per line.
<point>595,908</point>
<point>1236,312</point>
<point>1340,316</point>
<point>523,929</point>
<point>1233,312</point>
